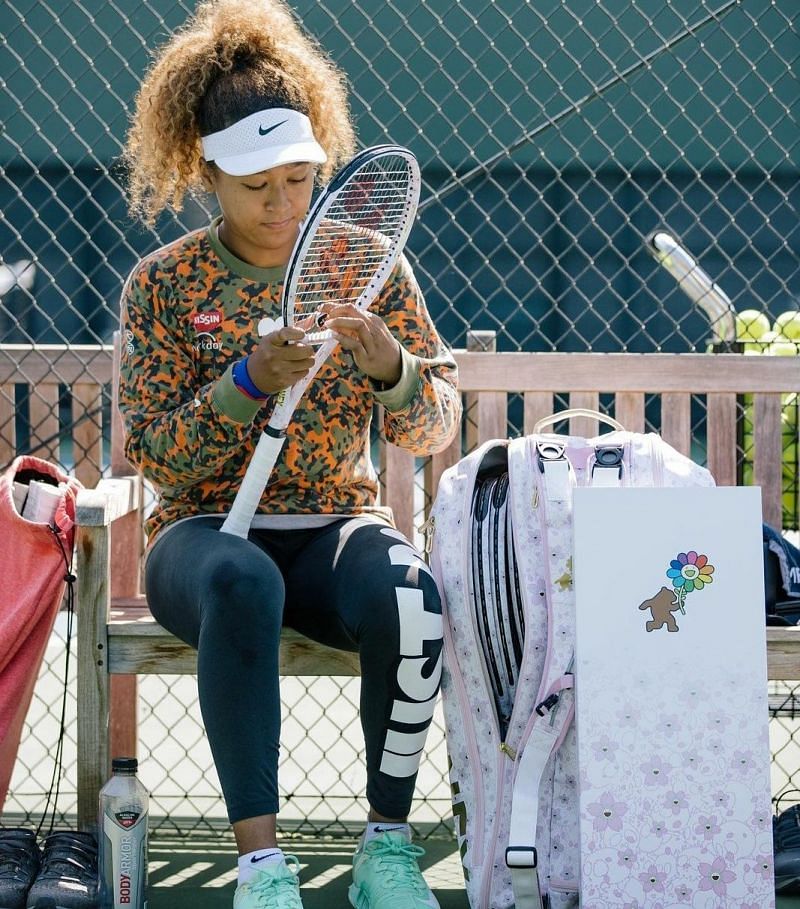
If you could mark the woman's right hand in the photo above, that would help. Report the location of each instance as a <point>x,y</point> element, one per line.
<point>280,360</point>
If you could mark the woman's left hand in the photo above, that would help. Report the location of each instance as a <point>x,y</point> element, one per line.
<point>375,350</point>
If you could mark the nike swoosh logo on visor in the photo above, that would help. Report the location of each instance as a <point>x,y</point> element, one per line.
<point>263,132</point>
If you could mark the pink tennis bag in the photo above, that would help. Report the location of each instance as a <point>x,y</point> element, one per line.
<point>35,557</point>
<point>501,553</point>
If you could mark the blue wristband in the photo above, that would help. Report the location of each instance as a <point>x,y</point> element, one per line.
<point>242,380</point>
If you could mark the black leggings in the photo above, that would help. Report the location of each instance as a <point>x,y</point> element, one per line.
<point>355,585</point>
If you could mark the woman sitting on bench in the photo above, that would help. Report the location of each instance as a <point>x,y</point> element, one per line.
<point>196,388</point>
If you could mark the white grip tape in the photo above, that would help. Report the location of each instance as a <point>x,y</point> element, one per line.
<point>266,326</point>
<point>253,485</point>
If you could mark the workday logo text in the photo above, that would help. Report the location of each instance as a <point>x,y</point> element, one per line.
<point>204,324</point>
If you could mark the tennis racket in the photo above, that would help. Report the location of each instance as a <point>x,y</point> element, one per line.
<point>347,247</point>
<point>696,284</point>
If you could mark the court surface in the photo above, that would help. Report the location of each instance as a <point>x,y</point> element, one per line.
<point>197,872</point>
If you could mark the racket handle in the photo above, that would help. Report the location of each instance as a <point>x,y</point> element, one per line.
<point>253,485</point>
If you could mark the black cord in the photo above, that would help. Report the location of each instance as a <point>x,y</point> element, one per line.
<point>781,797</point>
<point>58,767</point>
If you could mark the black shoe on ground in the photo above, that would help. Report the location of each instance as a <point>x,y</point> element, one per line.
<point>786,840</point>
<point>68,875</point>
<point>19,864</point>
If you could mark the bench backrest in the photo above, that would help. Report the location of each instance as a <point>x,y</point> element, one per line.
<point>57,402</point>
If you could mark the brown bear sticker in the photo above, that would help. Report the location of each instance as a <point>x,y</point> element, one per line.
<point>661,607</point>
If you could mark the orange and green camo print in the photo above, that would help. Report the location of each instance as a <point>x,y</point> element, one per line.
<point>190,310</point>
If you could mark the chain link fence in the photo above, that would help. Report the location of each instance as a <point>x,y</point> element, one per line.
<point>554,136</point>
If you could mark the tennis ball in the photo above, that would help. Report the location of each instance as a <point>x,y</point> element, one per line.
<point>788,324</point>
<point>783,347</point>
<point>790,443</point>
<point>751,324</point>
<point>767,338</point>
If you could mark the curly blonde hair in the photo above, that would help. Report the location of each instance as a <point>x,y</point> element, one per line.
<point>231,59</point>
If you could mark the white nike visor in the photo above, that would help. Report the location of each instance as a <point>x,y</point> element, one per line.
<point>263,140</point>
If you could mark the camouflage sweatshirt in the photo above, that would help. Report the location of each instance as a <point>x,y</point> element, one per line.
<point>189,311</point>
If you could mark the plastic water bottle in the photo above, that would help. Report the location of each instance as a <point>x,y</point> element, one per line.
<point>124,805</point>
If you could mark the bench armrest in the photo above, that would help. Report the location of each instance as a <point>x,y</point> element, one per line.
<point>112,498</point>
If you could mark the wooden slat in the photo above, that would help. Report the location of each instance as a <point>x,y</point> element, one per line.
<point>482,339</point>
<point>722,438</point>
<point>138,644</point>
<point>397,489</point>
<point>76,363</point>
<point>8,432</point>
<point>491,416</point>
<point>650,373</point>
<point>767,462</point>
<point>87,438</point>
<point>537,405</point>
<point>92,564</point>
<point>676,421</point>
<point>157,651</point>
<point>123,721</point>
<point>478,425</point>
<point>167,655</point>
<point>470,422</point>
<point>583,426</point>
<point>436,465</point>
<point>127,546</point>
<point>783,653</point>
<point>629,410</point>
<point>111,499</point>
<point>43,413</point>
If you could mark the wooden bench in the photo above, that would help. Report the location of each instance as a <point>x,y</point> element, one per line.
<point>118,638</point>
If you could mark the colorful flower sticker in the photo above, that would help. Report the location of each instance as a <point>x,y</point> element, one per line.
<point>689,571</point>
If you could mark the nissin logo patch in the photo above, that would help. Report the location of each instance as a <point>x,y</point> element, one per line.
<point>202,321</point>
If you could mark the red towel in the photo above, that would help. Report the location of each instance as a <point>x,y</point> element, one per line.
<point>32,586</point>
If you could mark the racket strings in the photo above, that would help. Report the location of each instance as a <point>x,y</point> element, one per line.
<point>494,587</point>
<point>359,232</point>
<point>364,217</point>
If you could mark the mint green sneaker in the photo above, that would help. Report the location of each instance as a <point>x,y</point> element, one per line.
<point>277,886</point>
<point>386,876</point>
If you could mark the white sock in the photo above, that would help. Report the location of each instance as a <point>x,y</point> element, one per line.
<point>379,827</point>
<point>250,862</point>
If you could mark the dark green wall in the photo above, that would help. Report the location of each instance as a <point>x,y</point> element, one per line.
<point>547,248</point>
<point>488,73</point>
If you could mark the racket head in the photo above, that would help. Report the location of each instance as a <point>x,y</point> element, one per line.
<point>352,237</point>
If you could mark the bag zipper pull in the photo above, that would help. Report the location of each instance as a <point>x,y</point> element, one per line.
<point>508,751</point>
<point>427,530</point>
